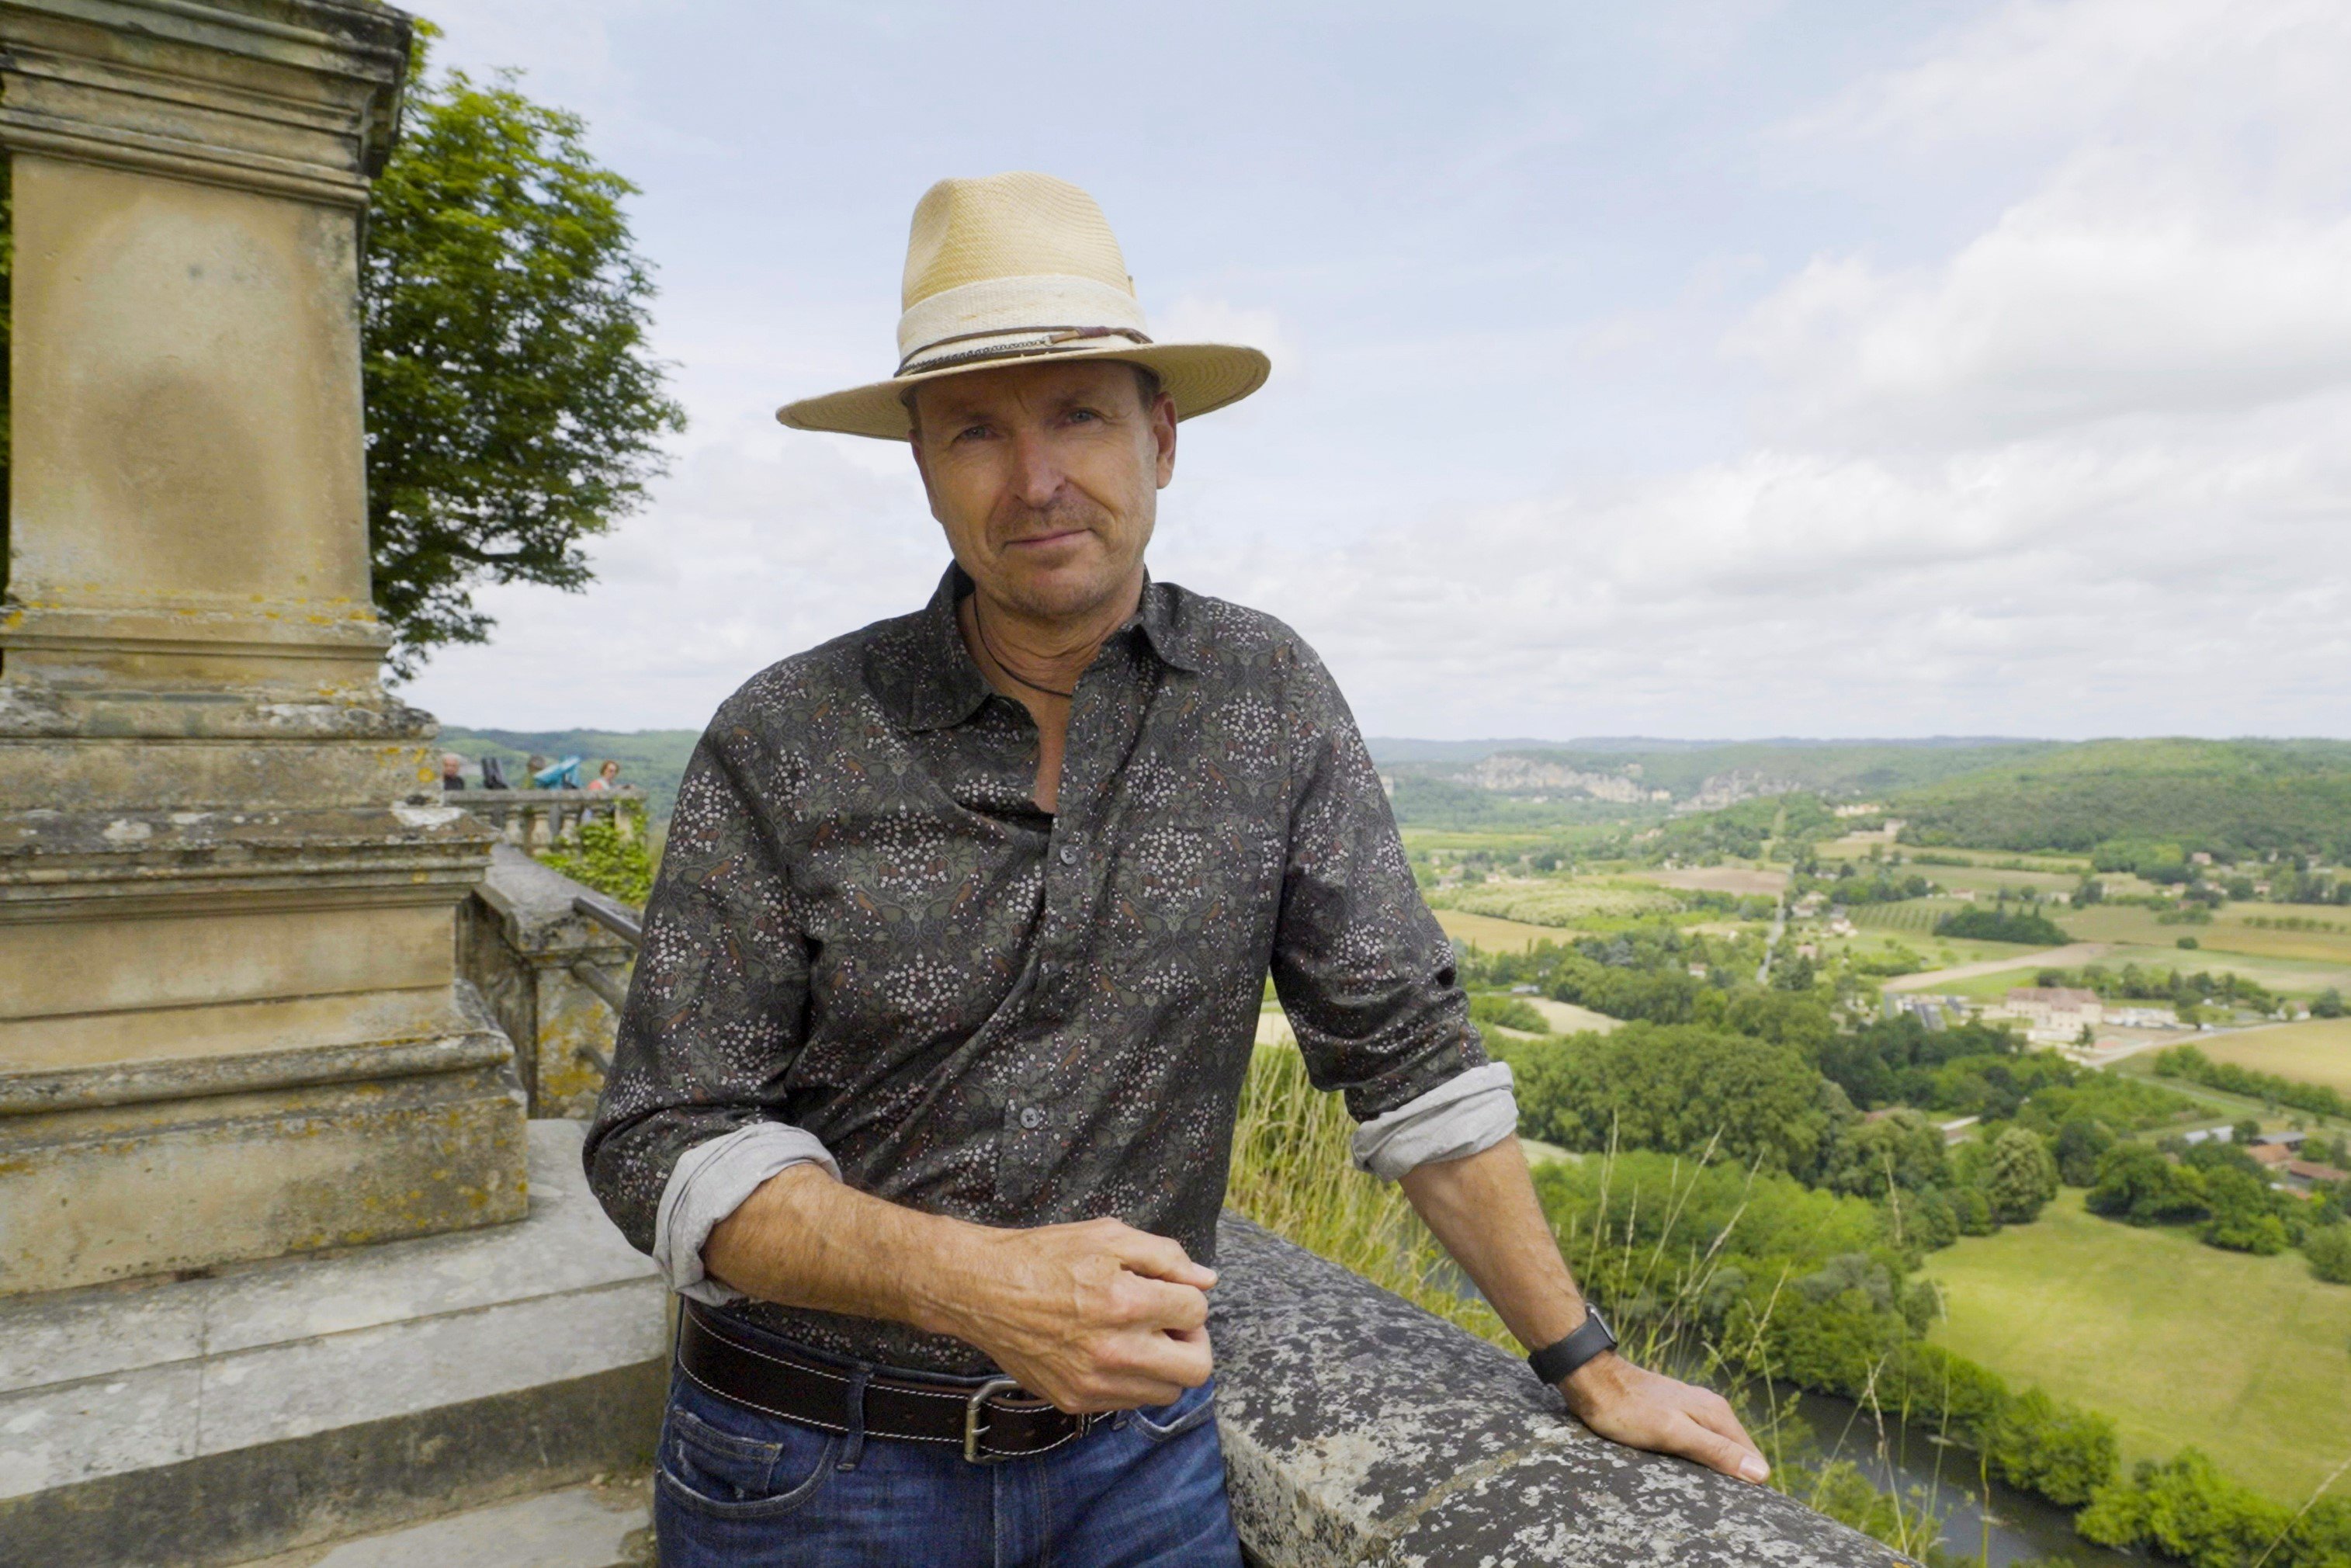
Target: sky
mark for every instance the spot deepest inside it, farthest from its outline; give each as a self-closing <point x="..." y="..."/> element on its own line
<point x="1714" y="368"/>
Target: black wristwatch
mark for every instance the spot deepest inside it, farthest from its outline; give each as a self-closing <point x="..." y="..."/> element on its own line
<point x="1554" y="1364"/>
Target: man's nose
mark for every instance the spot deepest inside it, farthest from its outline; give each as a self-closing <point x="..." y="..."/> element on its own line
<point x="1036" y="473"/>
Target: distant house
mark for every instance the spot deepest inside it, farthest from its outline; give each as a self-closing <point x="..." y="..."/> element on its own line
<point x="2202" y="857"/>
<point x="2273" y="1157"/>
<point x="2051" y="1014"/>
<point x="2291" y="1138"/>
<point x="2304" y="1175"/>
<point x="1956" y="1132"/>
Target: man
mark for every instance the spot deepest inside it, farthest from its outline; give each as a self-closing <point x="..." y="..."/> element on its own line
<point x="924" y="1090"/>
<point x="453" y="771"/>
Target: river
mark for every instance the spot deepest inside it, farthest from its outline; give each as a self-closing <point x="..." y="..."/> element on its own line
<point x="2015" y="1527"/>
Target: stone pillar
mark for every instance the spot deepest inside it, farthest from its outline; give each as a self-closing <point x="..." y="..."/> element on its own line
<point x="230" y="1024"/>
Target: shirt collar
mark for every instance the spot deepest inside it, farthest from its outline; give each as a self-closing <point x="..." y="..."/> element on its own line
<point x="946" y="687"/>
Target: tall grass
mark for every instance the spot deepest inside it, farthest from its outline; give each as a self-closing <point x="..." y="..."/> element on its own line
<point x="1291" y="1173"/>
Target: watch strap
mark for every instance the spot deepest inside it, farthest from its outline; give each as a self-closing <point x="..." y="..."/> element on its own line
<point x="1556" y="1362"/>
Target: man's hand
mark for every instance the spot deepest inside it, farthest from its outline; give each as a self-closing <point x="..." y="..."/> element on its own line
<point x="1092" y="1316"/>
<point x="1483" y="1208"/>
<point x="1644" y="1409"/>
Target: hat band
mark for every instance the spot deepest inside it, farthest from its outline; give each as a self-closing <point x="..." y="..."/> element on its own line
<point x="1004" y="306"/>
<point x="1031" y="341"/>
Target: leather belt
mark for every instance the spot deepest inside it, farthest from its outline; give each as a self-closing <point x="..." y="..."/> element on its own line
<point x="990" y="1420"/>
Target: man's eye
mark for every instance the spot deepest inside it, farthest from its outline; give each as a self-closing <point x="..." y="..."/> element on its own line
<point x="1083" y="414"/>
<point x="971" y="433"/>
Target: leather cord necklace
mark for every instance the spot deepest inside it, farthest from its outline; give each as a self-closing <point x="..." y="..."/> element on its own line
<point x="998" y="659"/>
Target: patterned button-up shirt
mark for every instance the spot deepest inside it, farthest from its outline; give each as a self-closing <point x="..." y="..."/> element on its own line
<point x="865" y="926"/>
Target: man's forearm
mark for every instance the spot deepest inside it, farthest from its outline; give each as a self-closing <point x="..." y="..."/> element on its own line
<point x="1483" y="1209"/>
<point x="1094" y="1315"/>
<point x="804" y="1239"/>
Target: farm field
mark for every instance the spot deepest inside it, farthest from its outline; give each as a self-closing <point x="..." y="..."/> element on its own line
<point x="1493" y="935"/>
<point x="1993" y="975"/>
<point x="2229" y="931"/>
<point x="1565" y="902"/>
<point x="1915" y="915"/>
<point x="1852" y="849"/>
<point x="2109" y="1316"/>
<point x="2295" y="977"/>
<point x="1722" y="879"/>
<point x="1985" y="882"/>
<point x="2318" y="1052"/>
<point x="1566" y="1018"/>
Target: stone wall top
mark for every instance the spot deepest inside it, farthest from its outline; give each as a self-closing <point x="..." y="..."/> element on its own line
<point x="1359" y="1430"/>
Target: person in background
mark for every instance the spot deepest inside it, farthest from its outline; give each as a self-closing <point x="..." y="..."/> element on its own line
<point x="606" y="775"/>
<point x="453" y="771"/>
<point x="533" y="765"/>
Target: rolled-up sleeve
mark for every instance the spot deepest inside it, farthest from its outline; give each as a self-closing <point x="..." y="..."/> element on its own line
<point x="1363" y="971"/>
<point x="716" y="1011"/>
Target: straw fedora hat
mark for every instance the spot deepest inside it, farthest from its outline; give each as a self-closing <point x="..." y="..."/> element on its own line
<point x="1016" y="269"/>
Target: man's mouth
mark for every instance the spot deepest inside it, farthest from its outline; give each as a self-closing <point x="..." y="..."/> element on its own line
<point x="1036" y="539"/>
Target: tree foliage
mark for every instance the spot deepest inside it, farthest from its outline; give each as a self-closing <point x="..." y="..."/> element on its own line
<point x="514" y="408"/>
<point x="1678" y="1088"/>
<point x="2328" y="1251"/>
<point x="2002" y="925"/>
<point x="2020" y="1177"/>
<point x="2188" y="1511"/>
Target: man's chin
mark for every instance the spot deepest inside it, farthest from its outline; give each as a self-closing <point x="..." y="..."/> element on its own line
<point x="1064" y="592"/>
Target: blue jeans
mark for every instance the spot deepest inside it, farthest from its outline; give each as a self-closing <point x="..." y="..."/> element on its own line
<point x="734" y="1487"/>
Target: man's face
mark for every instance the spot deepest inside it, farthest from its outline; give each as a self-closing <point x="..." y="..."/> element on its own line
<point x="1046" y="478"/>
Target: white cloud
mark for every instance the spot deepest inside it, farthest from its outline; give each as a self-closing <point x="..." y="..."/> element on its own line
<point x="762" y="543"/>
<point x="2061" y="454"/>
<point x="2061" y="315"/>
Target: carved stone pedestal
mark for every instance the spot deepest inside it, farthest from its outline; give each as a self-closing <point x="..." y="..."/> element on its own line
<point x="230" y="1022"/>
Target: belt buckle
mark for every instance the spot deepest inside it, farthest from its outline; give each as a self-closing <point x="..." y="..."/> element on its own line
<point x="971" y="1424"/>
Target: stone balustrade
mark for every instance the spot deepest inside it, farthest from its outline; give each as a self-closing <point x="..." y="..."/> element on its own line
<point x="553" y="974"/>
<point x="1359" y="1430"/>
<point x="535" y="818"/>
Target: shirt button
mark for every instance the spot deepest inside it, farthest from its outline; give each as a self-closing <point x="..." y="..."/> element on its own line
<point x="1069" y="854"/>
<point x="1032" y="1118"/>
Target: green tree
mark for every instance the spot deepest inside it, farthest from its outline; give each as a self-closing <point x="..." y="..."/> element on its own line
<point x="2020" y="1177"/>
<point x="2136" y="1185"/>
<point x="2080" y="1141"/>
<point x="514" y="408"/>
<point x="2244" y="1212"/>
<point x="1680" y="1089"/>
<point x="2328" y="1004"/>
<point x="1974" y="1210"/>
<point x="2328" y="1248"/>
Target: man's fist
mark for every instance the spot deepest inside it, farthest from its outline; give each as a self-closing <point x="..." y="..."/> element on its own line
<point x="1093" y="1316"/>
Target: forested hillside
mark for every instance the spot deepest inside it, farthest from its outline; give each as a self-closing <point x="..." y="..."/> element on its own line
<point x="2236" y="799"/>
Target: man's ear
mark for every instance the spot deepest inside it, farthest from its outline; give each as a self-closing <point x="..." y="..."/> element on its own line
<point x="1163" y="430"/>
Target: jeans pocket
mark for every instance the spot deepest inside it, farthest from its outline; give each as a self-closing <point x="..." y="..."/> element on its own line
<point x="1159" y="1423"/>
<point x="718" y="1474"/>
